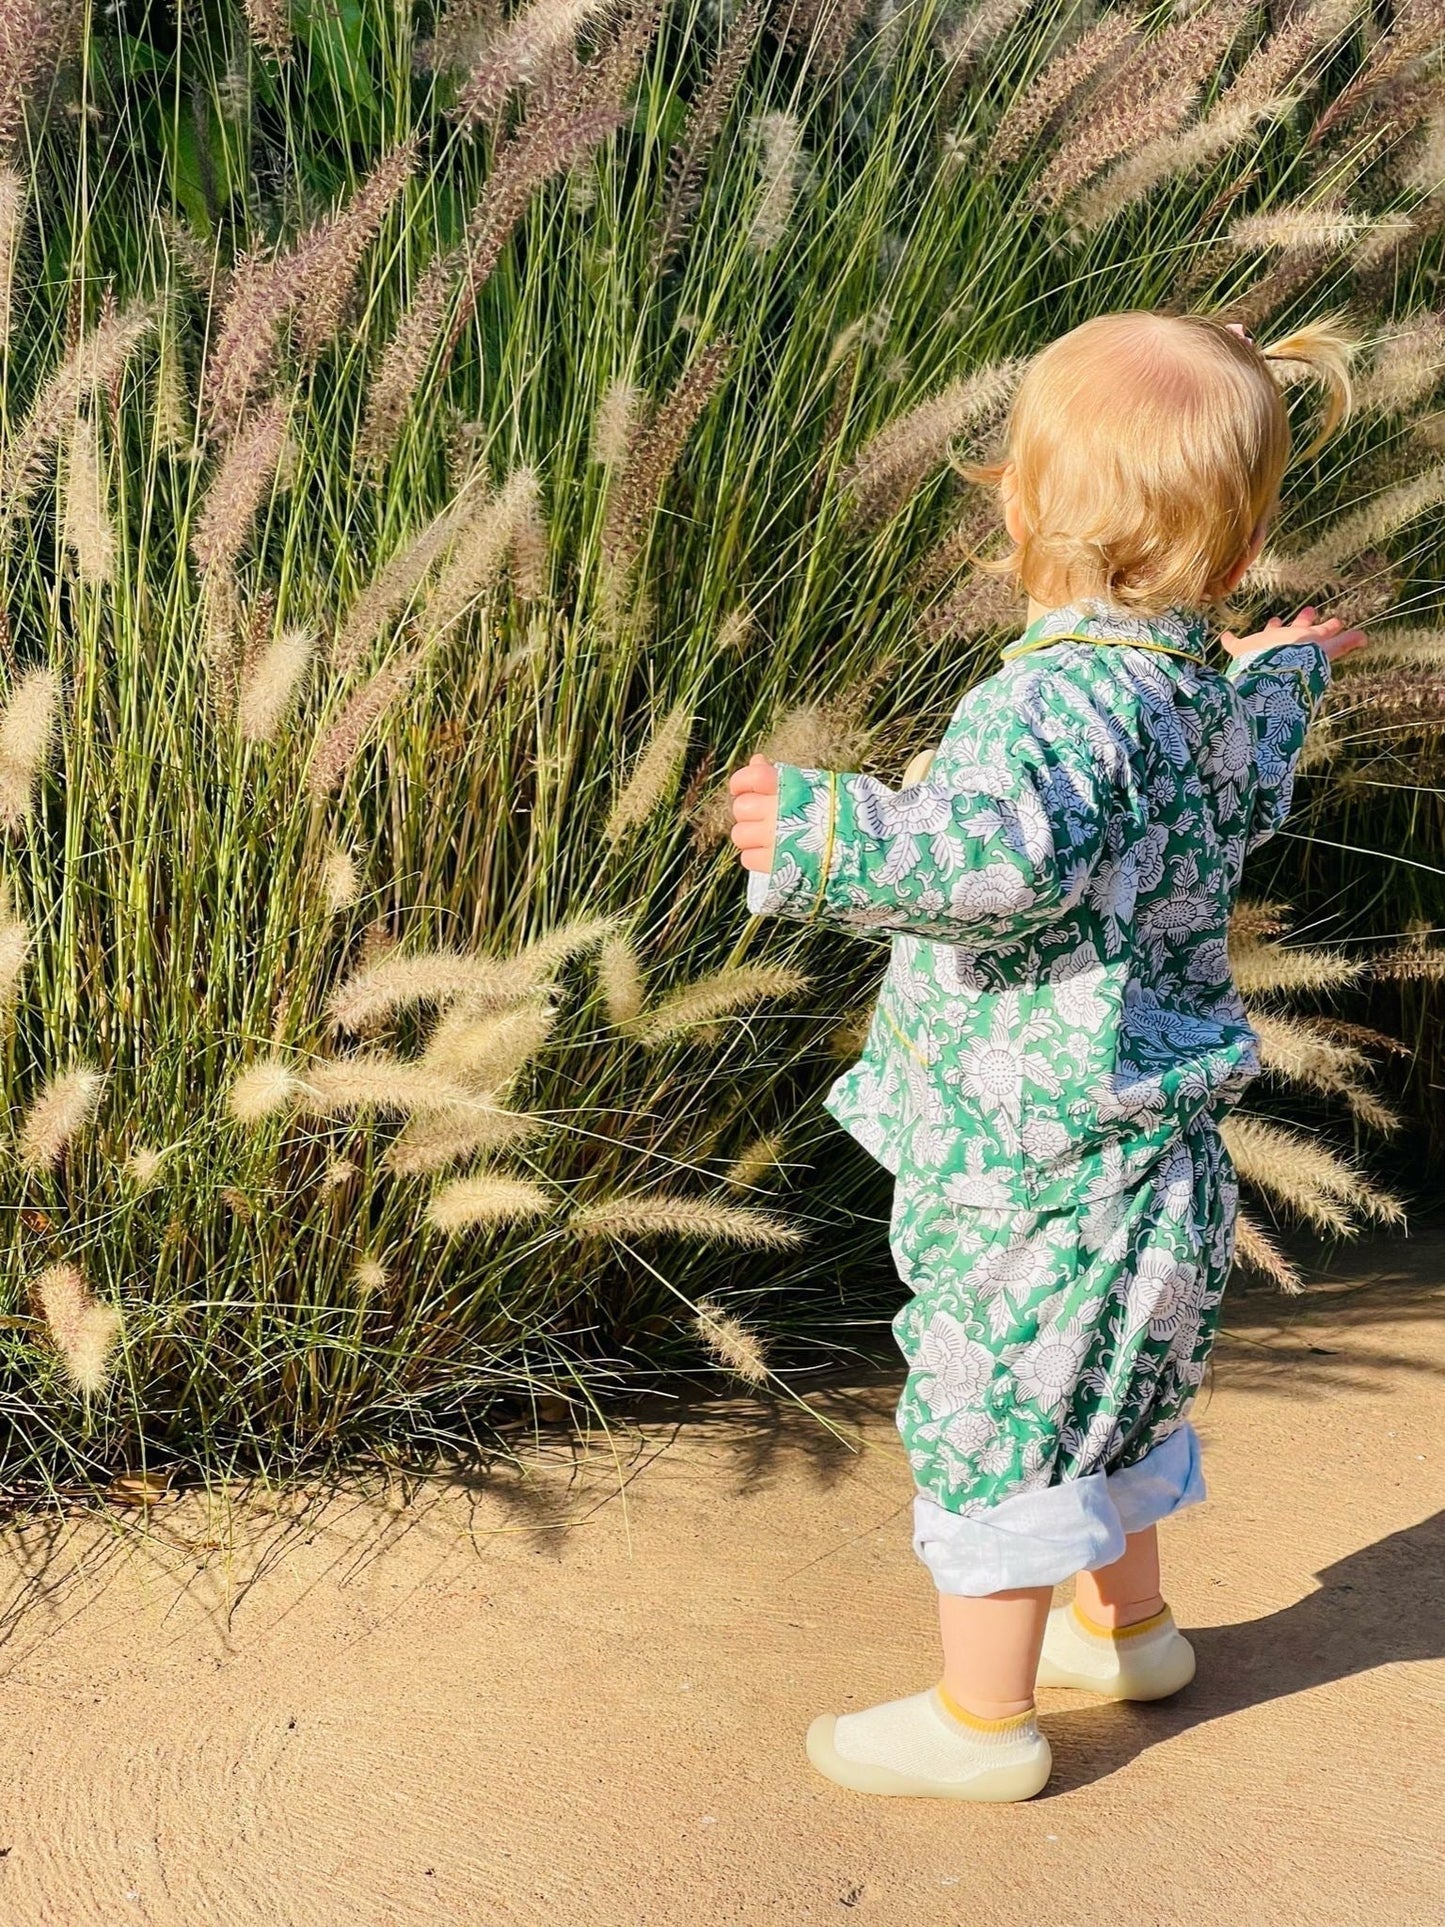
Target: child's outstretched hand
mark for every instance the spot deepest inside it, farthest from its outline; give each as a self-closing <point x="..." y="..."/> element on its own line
<point x="755" y="813"/>
<point x="1331" y="635"/>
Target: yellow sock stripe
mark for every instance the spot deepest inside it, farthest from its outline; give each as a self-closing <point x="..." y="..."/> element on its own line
<point x="965" y="1718"/>
<point x="1149" y="1625"/>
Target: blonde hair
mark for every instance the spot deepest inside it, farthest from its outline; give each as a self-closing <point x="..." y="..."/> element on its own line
<point x="1146" y="449"/>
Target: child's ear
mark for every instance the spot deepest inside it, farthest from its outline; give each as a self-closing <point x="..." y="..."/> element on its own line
<point x="1232" y="578"/>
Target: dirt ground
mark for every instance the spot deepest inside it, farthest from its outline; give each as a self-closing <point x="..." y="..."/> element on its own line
<point x="578" y="1694"/>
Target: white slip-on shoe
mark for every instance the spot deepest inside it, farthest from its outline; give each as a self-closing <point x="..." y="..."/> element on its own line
<point x="1144" y="1662"/>
<point x="925" y="1747"/>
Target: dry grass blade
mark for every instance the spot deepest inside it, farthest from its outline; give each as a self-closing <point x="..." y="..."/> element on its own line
<point x="735" y="1348"/>
<point x="722" y="994"/>
<point x="640" y="1216"/>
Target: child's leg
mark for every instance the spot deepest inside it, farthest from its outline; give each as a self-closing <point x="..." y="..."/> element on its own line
<point x="991" y="1649"/>
<point x="1129" y="1590"/>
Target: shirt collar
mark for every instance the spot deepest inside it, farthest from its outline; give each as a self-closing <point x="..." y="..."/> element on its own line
<point x="1177" y="632"/>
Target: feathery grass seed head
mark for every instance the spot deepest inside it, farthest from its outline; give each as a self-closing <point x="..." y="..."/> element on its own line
<point x="270" y="683"/>
<point x="735" y="1348"/>
<point x="487" y="1200"/>
<point x="66" y="1104"/>
<point x="262" y="1091"/>
<point x="82" y="1329"/>
<point x="641" y="1216"/>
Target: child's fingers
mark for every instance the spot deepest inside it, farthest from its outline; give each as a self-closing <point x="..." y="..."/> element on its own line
<point x="758" y="777"/>
<point x="750" y="808"/>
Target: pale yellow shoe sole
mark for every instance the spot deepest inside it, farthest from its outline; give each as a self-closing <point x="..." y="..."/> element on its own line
<point x="1018" y="1782"/>
<point x="1156" y="1684"/>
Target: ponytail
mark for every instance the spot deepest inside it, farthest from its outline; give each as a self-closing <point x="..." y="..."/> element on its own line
<point x="1320" y="351"/>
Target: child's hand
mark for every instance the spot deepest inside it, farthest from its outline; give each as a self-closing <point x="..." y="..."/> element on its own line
<point x="755" y="813"/>
<point x="1331" y="634"/>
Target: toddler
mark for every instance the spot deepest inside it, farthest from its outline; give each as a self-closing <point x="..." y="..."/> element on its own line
<point x="1058" y="1034"/>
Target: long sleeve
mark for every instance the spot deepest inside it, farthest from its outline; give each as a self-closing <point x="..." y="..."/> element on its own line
<point x="1280" y="690"/>
<point x="1000" y="838"/>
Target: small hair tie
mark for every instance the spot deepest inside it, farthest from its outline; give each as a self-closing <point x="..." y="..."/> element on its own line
<point x="1238" y="328"/>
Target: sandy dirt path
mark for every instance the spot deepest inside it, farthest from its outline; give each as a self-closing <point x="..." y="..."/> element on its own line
<point x="554" y="1700"/>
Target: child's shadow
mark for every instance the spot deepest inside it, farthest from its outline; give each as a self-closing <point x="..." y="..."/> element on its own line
<point x="1382" y="1604"/>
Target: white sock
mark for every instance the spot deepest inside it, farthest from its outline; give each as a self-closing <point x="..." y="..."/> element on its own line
<point x="1146" y="1661"/>
<point x="929" y="1745"/>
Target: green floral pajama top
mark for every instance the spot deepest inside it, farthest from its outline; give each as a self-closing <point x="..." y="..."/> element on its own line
<point x="1058" y="1030"/>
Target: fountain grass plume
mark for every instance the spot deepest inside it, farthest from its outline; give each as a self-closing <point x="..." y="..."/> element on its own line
<point x="14" y="196"/>
<point x="1302" y="1174"/>
<point x="1254" y="1248"/>
<point x="241" y="484"/>
<point x="269" y="24"/>
<point x="654" y="452"/>
<point x="340" y="879"/>
<point x="889" y="467"/>
<point x="87" y="531"/>
<point x="27" y="733"/>
<point x="432" y="1142"/>
<point x="1270" y="84"/>
<point x="616" y="422"/>
<point x="640" y="1217"/>
<point x="271" y="682"/>
<point x="491" y="1052"/>
<point x="398" y="982"/>
<point x="1151" y="94"/>
<point x="519" y="53"/>
<point x="64" y="1107"/>
<point x="654" y="775"/>
<point x="97" y="362"/>
<point x="263" y="1090"/>
<point x="325" y="261"/>
<point x="706" y="117"/>
<point x="620" y="979"/>
<point x="1027" y="115"/>
<point x="722" y="993"/>
<point x="488" y="1200"/>
<point x="780" y="139"/>
<point x="737" y="1349"/>
<point x="408" y="355"/>
<point x="82" y="1329"/>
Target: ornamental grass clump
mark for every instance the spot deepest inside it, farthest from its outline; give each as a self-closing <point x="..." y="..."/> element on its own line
<point x="433" y="453"/>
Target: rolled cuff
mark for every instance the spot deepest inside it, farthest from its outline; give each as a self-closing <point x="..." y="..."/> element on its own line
<point x="1040" y="1538"/>
<point x="803" y="848"/>
<point x="1163" y="1482"/>
<point x="1032" y="1539"/>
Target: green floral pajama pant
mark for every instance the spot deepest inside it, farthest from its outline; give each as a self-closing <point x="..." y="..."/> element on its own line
<point x="1052" y="1360"/>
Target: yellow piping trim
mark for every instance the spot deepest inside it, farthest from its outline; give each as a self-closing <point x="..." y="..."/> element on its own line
<point x="1149" y="1625"/>
<point x="1116" y="642"/>
<point x="827" y="862"/>
<point x="907" y="1042"/>
<point x="965" y="1718"/>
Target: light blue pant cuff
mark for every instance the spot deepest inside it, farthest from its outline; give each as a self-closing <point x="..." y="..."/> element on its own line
<point x="1039" y="1538"/>
<point x="1031" y="1539"/>
<point x="1160" y="1484"/>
